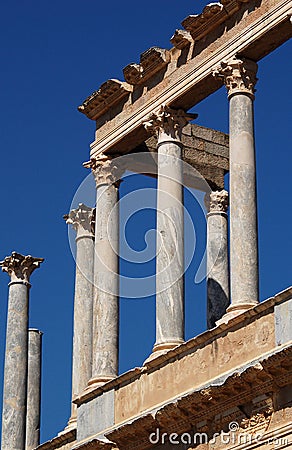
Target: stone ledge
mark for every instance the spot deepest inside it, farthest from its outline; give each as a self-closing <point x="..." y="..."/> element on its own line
<point x="187" y="82"/>
<point x="181" y="350"/>
<point x="151" y="62"/>
<point x="109" y="93"/>
<point x="63" y="438"/>
<point x="210" y="401"/>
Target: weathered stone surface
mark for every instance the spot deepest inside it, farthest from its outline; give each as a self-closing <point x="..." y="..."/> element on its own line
<point x="105" y="326"/>
<point x="19" y="268"/>
<point x="181" y="39"/>
<point x="167" y="124"/>
<point x="283" y="322"/>
<point x="240" y="77"/>
<point x="254" y="30"/>
<point x="33" y="389"/>
<point x="96" y="415"/>
<point x="217" y="257"/>
<point x="83" y="221"/>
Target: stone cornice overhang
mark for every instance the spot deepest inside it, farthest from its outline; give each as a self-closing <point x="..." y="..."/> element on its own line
<point x="66" y="437"/>
<point x="180" y="350"/>
<point x="264" y="376"/>
<point x="251" y="29"/>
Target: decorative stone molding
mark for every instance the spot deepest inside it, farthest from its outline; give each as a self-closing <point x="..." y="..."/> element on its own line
<point x="217" y="201"/>
<point x="133" y="73"/>
<point x="61" y="440"/>
<point x="239" y="76"/>
<point x="20" y="267"/>
<point x="83" y="217"/>
<point x="109" y="93"/>
<point x="168" y="123"/>
<point x="181" y="39"/>
<point x="151" y="61"/>
<point x="217" y="404"/>
<point x="105" y="170"/>
<point x="199" y="25"/>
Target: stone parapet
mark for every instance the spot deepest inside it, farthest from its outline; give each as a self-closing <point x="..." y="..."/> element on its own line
<point x="204" y="378"/>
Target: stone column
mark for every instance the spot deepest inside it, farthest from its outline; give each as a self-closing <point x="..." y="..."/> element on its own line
<point x="105" y="325"/>
<point x="217" y="256"/>
<point x="167" y="124"/>
<point x="19" y="268"/>
<point x="82" y="219"/>
<point x="33" y="389"/>
<point x="240" y="78"/>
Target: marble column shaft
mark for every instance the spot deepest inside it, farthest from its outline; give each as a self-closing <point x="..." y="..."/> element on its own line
<point x="240" y="78"/>
<point x="82" y="219"/>
<point x="105" y="344"/>
<point x="217" y="257"/>
<point x="33" y="389"/>
<point x="19" y="268"/>
<point x="167" y="124"/>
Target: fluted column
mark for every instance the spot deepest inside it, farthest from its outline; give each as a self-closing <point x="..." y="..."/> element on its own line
<point x="217" y="256"/>
<point x="19" y="268"/>
<point x="167" y="124"/>
<point x="106" y="266"/>
<point x="33" y="389"/>
<point x="240" y="78"/>
<point x="82" y="220"/>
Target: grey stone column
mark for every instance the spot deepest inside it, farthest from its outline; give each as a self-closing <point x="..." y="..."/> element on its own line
<point x="19" y="268"/>
<point x="82" y="220"/>
<point x="167" y="124"/>
<point x="105" y="326"/>
<point x="33" y="389"/>
<point x="240" y="78"/>
<point x="217" y="256"/>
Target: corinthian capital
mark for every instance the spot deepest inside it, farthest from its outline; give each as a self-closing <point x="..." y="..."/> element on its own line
<point x="217" y="201"/>
<point x="105" y="169"/>
<point x="82" y="219"/>
<point x="239" y="76"/>
<point x="20" y="267"/>
<point x="168" y="123"/>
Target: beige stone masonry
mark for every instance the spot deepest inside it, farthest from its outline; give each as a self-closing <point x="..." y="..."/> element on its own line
<point x="187" y="78"/>
<point x="151" y="61"/>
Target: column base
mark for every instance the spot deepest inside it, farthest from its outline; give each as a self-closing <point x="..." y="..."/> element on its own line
<point x="94" y="383"/>
<point x="161" y="349"/>
<point x="235" y="310"/>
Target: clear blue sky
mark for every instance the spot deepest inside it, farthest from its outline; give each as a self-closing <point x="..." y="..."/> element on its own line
<point x="53" y="55"/>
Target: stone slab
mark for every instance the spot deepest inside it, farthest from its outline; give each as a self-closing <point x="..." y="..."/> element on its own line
<point x="283" y="322"/>
<point x="95" y="415"/>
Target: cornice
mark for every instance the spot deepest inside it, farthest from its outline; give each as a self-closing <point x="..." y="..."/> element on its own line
<point x="183" y="83"/>
<point x="180" y="350"/>
<point x="63" y="438"/>
<point x="208" y="403"/>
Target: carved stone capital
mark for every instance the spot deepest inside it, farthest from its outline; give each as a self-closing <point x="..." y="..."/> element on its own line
<point x="82" y="219"/>
<point x="239" y="76"/>
<point x="20" y="267"/>
<point x="217" y="201"/>
<point x="168" y="123"/>
<point x="105" y="170"/>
